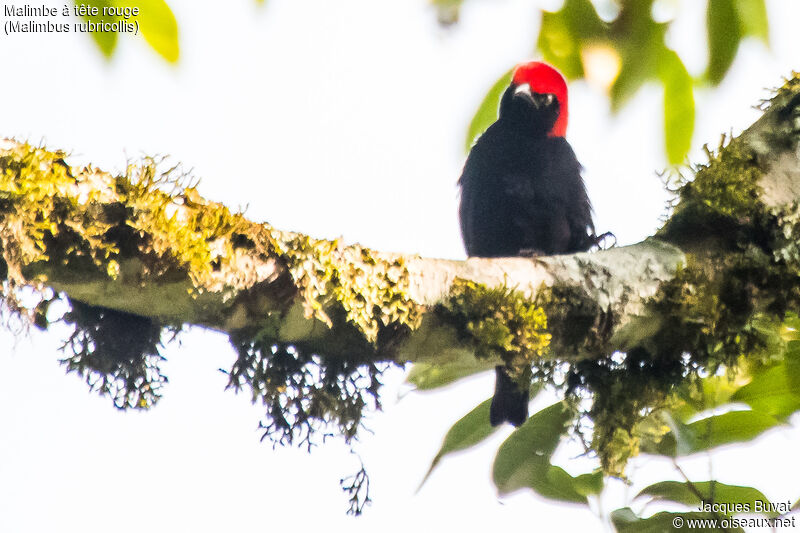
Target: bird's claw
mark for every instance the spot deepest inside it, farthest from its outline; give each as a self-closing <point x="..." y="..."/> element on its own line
<point x="598" y="241"/>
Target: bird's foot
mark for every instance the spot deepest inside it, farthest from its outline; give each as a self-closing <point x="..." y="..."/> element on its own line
<point x="600" y="242"/>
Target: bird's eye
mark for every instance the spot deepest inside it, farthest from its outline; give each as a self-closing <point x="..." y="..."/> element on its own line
<point x="548" y="98"/>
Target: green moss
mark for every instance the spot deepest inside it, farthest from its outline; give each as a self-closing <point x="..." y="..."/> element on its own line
<point x="721" y="201"/>
<point x="501" y="323"/>
<point x="42" y="213"/>
<point x="371" y="291"/>
<point x="167" y="222"/>
<point x="580" y="327"/>
<point x="728" y="183"/>
<point x="90" y="222"/>
<point x="786" y="94"/>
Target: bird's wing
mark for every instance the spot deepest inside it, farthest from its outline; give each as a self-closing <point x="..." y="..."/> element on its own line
<point x="565" y="172"/>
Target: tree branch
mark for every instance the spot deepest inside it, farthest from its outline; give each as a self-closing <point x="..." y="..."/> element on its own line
<point x="147" y="243"/>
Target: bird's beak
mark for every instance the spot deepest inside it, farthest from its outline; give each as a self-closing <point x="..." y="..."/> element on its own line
<point x="524" y="91"/>
<point x="537" y="100"/>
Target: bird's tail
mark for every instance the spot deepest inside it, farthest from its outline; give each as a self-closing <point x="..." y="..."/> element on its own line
<point x="510" y="402"/>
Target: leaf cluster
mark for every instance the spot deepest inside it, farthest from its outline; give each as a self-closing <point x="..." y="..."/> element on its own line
<point x="698" y="415"/>
<point x="627" y="48"/>
<point x="157" y="24"/>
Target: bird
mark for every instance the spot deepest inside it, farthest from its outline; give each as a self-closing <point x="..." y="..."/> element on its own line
<point x="522" y="194"/>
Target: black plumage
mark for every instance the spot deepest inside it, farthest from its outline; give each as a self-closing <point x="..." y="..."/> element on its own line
<point x="522" y="194"/>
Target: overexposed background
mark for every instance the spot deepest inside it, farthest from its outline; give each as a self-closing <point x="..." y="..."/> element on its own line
<point x="334" y="118"/>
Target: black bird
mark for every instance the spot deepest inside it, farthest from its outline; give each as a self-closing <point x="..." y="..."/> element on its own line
<point x="522" y="194"/>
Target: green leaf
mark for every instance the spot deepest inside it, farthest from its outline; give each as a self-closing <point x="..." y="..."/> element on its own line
<point x="106" y="40"/>
<point x="564" y="32"/>
<point x="753" y="19"/>
<point x="538" y="436"/>
<point x="555" y="483"/>
<point x="427" y="376"/>
<point x="771" y="392"/>
<point x="678" y="106"/>
<point x="792" y="361"/>
<point x="711" y="491"/>
<point x="471" y="429"/>
<point x="158" y="26"/>
<point x="558" y="46"/>
<point x="487" y="111"/>
<point x="711" y="392"/>
<point x="727" y="428"/>
<point x="724" y="34"/>
<point x="630" y="79"/>
<point x="641" y="44"/>
<point x="588" y="484"/>
<point x="626" y="521"/>
<point x="523" y="460"/>
<point x="775" y="390"/>
<point x="734" y="426"/>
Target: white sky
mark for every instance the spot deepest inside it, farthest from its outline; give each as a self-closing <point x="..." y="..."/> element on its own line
<point x="334" y="118"/>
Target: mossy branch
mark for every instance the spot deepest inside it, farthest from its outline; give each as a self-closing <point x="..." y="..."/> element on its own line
<point x="146" y="243"/>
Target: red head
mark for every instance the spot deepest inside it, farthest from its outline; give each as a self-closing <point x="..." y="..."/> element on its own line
<point x="544" y="79"/>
